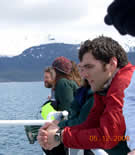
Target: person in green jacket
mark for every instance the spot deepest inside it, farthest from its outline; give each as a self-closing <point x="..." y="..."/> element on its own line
<point x="67" y="81"/>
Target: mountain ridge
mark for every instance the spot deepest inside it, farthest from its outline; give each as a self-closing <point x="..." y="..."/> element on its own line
<point x="30" y="64"/>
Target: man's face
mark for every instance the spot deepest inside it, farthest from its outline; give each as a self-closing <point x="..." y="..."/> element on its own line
<point x="94" y="71"/>
<point x="48" y="81"/>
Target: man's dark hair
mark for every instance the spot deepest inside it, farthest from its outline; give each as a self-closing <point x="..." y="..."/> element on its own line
<point x="103" y="49"/>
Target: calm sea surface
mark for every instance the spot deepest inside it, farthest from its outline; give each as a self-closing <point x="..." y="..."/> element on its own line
<point x="18" y="101"/>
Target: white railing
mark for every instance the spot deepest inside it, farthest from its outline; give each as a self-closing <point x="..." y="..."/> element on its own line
<point x="23" y="122"/>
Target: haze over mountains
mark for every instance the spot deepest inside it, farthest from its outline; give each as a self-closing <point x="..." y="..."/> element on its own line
<point x="30" y="65"/>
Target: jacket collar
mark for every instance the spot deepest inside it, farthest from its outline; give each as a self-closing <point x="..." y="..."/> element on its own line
<point x="107" y="84"/>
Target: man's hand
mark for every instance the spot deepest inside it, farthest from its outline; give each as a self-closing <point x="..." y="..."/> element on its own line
<point x="132" y="152"/>
<point x="46" y="136"/>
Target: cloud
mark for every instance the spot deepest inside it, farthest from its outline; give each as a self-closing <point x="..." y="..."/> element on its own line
<point x="25" y="23"/>
<point x="42" y="11"/>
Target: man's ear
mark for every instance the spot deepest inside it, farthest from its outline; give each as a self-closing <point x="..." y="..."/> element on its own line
<point x="113" y="63"/>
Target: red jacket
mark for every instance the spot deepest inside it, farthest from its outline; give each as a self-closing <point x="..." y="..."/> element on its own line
<point x="105" y="120"/>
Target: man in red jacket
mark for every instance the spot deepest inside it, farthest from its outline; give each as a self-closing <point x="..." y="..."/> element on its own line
<point x="105" y="65"/>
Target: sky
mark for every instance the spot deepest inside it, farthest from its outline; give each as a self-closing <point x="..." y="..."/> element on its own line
<point x="27" y="23"/>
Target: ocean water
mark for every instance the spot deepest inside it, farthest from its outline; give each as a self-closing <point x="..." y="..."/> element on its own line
<point x="19" y="101"/>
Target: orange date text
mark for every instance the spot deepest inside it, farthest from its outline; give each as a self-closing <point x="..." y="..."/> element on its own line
<point x="108" y="138"/>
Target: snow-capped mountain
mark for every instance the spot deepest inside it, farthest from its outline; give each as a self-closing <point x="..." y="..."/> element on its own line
<point x="30" y="65"/>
